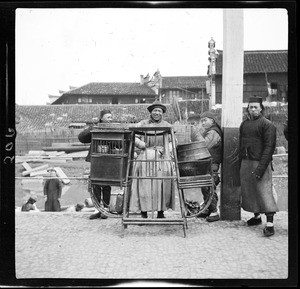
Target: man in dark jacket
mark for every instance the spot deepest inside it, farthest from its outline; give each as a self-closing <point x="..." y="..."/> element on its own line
<point x="86" y="137"/>
<point x="52" y="192"/>
<point x="213" y="136"/>
<point x="257" y="145"/>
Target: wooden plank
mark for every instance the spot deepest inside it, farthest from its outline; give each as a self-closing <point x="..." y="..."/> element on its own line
<point x="39" y="173"/>
<point x="76" y="144"/>
<point x="47" y="160"/>
<point x="55" y="160"/>
<point x="52" y="153"/>
<point x="20" y="159"/>
<point x="68" y="148"/>
<point x="34" y="169"/>
<point x="60" y="144"/>
<point x="34" y="152"/>
<point x="82" y="154"/>
<point x="26" y="166"/>
<point x="62" y="175"/>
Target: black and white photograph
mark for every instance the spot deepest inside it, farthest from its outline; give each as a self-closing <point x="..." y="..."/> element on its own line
<point x="148" y="144"/>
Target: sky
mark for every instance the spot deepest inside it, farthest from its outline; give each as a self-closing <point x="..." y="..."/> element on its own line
<point x="61" y="48"/>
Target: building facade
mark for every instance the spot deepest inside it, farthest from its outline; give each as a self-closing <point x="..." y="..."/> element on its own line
<point x="265" y="75"/>
<point x="108" y="93"/>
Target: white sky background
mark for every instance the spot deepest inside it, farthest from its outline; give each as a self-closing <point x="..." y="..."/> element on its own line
<point x="58" y="48"/>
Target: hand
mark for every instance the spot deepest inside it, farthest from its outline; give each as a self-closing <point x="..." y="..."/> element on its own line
<point x="258" y="177"/>
<point x="140" y="144"/>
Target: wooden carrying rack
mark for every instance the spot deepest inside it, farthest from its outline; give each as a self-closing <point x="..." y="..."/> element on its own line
<point x="109" y="157"/>
<point x="195" y="171"/>
<point x="154" y="132"/>
<point x="112" y="162"/>
<point x="197" y="182"/>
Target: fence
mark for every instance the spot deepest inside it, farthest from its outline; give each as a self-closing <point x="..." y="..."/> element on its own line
<point x="37" y="140"/>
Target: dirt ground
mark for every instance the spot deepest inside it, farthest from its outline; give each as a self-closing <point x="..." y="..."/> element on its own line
<point x="76" y="191"/>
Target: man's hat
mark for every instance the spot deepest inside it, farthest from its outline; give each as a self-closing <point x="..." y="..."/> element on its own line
<point x="103" y="112"/>
<point x="158" y="104"/>
<point x="208" y="114"/>
<point x="255" y="99"/>
<point x="32" y="199"/>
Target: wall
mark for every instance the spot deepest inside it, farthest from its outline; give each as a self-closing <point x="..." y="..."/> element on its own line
<point x="37" y="140"/>
<point x="97" y="99"/>
<point x="256" y="84"/>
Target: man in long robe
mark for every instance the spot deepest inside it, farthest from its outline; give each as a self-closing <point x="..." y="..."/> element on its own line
<point x="257" y="145"/>
<point x="52" y="192"/>
<point x="153" y="194"/>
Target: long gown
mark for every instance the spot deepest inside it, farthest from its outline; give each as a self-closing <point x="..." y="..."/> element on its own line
<point x="153" y="194"/>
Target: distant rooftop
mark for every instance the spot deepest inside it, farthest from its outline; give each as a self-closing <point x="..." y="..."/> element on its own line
<point x="37" y="117"/>
<point x="169" y="82"/>
<point x="260" y="61"/>
<point x="113" y="88"/>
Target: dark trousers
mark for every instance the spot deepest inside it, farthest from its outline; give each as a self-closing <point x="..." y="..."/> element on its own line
<point x="103" y="192"/>
<point x="214" y="202"/>
<point x="206" y="191"/>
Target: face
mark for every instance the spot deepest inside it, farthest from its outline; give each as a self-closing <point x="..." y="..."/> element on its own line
<point x="157" y="113"/>
<point x="107" y="118"/>
<point x="206" y="122"/>
<point x="254" y="109"/>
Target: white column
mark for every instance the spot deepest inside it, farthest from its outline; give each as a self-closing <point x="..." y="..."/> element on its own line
<point x="233" y="67"/>
<point x="232" y="111"/>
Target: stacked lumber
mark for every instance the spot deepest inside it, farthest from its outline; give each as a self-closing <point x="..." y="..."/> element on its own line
<point x="62" y="175"/>
<point x="41" y="171"/>
<point x="67" y="147"/>
<point x="30" y="171"/>
<point x="50" y="157"/>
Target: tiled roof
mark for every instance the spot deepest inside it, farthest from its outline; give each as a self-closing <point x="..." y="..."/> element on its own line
<point x="270" y="61"/>
<point x="183" y="81"/>
<point x="37" y="117"/>
<point x="113" y="88"/>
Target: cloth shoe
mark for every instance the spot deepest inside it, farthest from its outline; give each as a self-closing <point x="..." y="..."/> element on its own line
<point x="254" y="221"/>
<point x="160" y="215"/>
<point x="95" y="216"/>
<point x="103" y="216"/>
<point x="213" y="218"/>
<point x="269" y="231"/>
<point x="204" y="214"/>
<point x="144" y="215"/>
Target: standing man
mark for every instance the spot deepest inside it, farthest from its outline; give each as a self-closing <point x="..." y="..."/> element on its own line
<point x="213" y="136"/>
<point x="153" y="194"/>
<point x="257" y="145"/>
<point x="86" y="137"/>
<point x="52" y="192"/>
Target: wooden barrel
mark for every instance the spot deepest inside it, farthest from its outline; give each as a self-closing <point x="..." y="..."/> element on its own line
<point x="192" y="151"/>
<point x="194" y="168"/>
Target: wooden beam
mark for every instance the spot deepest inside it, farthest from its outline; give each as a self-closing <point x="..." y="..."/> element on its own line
<point x="34" y="170"/>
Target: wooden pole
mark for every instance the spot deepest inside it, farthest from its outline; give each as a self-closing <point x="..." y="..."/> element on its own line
<point x="232" y="111"/>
